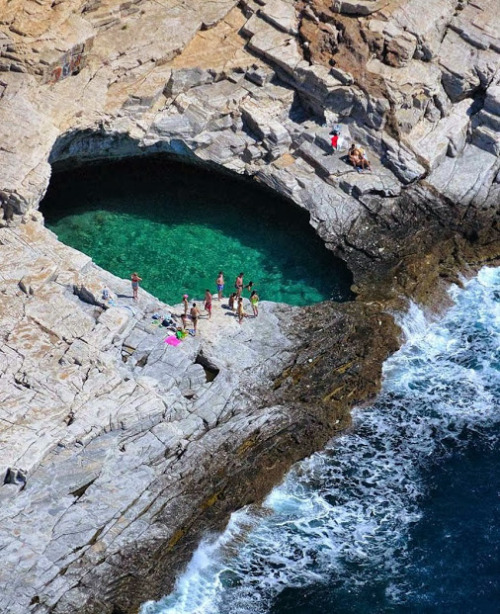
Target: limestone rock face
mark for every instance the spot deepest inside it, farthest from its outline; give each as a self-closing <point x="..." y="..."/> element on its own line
<point x="117" y="449"/>
<point x="93" y="436"/>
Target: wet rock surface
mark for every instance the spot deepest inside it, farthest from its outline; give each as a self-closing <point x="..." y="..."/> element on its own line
<point x="117" y="452"/>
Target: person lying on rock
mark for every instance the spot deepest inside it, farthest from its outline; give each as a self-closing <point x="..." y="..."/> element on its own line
<point x="358" y="159"/>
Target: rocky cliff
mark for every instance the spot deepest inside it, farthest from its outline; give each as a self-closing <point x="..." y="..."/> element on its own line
<point x="116" y="453"/>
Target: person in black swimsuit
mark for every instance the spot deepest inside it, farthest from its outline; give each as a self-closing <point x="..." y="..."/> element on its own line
<point x="195" y="314"/>
<point x="238" y="284"/>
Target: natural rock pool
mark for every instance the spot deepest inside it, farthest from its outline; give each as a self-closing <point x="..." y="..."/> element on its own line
<point x="178" y="226"/>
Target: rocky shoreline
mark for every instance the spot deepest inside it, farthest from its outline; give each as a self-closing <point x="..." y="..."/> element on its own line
<point x="117" y="455"/>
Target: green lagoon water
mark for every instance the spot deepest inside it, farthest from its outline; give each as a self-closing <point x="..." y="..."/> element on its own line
<point x="178" y="227"/>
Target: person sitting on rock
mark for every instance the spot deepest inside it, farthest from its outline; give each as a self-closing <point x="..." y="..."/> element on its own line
<point x="231" y="301"/>
<point x="358" y="159"/>
<point x="365" y="163"/>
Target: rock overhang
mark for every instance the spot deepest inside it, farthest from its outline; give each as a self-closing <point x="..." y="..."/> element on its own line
<point x="175" y="179"/>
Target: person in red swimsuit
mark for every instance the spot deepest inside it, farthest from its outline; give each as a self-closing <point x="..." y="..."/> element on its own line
<point x="208" y="303"/>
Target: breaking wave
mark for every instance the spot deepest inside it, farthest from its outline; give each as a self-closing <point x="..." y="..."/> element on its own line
<point x="350" y="525"/>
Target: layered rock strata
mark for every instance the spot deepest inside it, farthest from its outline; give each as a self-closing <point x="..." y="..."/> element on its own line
<point x="116" y="451"/>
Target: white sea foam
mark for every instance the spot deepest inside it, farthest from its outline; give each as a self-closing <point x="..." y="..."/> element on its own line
<point x="345" y="513"/>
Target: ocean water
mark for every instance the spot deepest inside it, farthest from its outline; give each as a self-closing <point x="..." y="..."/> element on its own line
<point x="178" y="227"/>
<point x="399" y="515"/>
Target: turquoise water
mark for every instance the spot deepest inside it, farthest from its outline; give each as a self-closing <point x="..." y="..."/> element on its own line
<point x="178" y="227"/>
<point x="401" y="514"/>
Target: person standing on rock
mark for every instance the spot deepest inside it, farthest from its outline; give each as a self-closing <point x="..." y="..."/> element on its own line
<point x="208" y="303"/>
<point x="195" y="314"/>
<point x="231" y="300"/>
<point x="220" y="285"/>
<point x="135" y="285"/>
<point x="238" y="284"/>
<point x="185" y="303"/>
<point x="254" y="301"/>
<point x="335" y="138"/>
<point x="240" y="311"/>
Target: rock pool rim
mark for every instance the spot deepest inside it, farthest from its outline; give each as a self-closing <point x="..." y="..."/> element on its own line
<point x="152" y="176"/>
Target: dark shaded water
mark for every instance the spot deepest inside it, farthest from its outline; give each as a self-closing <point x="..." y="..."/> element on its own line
<point x="399" y="515"/>
<point x="178" y="226"/>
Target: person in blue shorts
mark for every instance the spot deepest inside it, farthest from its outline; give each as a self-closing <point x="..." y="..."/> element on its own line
<point x="135" y="285"/>
<point x="220" y="285"/>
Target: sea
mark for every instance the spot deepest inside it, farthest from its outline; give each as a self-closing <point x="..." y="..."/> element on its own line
<point x="400" y="514"/>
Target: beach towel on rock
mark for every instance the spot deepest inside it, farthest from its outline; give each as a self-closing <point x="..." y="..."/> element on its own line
<point x="172" y="340"/>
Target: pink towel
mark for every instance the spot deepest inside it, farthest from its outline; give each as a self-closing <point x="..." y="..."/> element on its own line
<point x="172" y="340"/>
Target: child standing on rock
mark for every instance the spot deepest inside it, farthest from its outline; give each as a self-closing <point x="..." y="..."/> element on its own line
<point x="240" y="311"/>
<point x="254" y="301"/>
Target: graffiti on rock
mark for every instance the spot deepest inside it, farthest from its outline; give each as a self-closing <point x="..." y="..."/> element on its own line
<point x="69" y="64"/>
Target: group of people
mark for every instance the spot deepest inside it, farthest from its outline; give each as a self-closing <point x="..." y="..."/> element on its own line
<point x="235" y="301"/>
<point x="356" y="154"/>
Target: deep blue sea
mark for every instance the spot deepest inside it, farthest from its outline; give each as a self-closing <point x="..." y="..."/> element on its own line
<point x="399" y="515"/>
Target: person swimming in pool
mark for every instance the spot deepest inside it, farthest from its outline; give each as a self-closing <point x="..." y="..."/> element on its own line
<point x="220" y="285"/>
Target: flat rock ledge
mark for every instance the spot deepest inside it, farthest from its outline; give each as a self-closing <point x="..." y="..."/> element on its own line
<point x="119" y="450"/>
